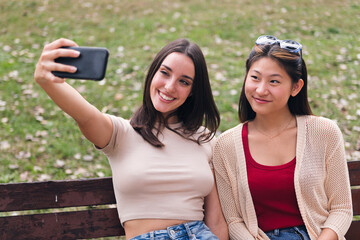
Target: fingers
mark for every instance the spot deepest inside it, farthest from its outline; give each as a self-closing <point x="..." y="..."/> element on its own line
<point x="43" y="71"/>
<point x="58" y="52"/>
<point x="61" y="67"/>
<point x="50" y="66"/>
<point x="62" y="42"/>
<point x="42" y="75"/>
<point x="46" y="63"/>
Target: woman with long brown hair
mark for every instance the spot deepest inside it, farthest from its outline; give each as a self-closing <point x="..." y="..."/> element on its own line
<point x="160" y="158"/>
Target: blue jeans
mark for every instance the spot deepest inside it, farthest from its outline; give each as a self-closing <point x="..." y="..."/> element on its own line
<point x="196" y="230"/>
<point x="292" y="233"/>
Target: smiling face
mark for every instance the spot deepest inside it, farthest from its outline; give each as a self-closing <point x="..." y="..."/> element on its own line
<point x="172" y="83"/>
<point x="268" y="87"/>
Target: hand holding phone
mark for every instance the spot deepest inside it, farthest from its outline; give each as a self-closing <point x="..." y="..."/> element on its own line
<point x="91" y="63"/>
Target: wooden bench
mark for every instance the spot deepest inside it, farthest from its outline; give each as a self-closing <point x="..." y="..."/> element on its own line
<point x="98" y="219"/>
<point x="83" y="209"/>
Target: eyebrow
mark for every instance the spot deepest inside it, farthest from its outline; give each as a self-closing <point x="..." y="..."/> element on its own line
<point x="185" y="76"/>
<point x="272" y="75"/>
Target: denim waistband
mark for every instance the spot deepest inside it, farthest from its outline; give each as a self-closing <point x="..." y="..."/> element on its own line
<point x="174" y="232"/>
<point x="297" y="232"/>
<point x="276" y="231"/>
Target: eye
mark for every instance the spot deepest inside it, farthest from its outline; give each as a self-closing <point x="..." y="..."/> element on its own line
<point x="274" y="82"/>
<point x="164" y="72"/>
<point x="184" y="82"/>
<point x="254" y="77"/>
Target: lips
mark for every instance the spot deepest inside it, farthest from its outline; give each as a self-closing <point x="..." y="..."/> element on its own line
<point x="165" y="97"/>
<point x="260" y="100"/>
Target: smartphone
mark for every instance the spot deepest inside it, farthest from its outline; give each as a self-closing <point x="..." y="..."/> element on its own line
<point x="91" y="63"/>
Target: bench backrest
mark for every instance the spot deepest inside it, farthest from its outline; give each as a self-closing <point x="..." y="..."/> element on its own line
<point x="86" y="209"/>
<point x="354" y="170"/>
<point x="99" y="218"/>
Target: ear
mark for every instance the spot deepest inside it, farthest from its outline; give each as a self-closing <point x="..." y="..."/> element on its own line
<point x="296" y="88"/>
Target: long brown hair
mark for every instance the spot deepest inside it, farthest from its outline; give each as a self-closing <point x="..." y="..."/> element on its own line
<point x="198" y="109"/>
<point x="295" y="67"/>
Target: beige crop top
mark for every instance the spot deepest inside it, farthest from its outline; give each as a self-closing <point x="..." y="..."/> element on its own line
<point x="162" y="183"/>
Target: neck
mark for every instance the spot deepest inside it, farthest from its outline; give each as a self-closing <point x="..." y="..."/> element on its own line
<point x="171" y="120"/>
<point x="272" y="127"/>
<point x="272" y="122"/>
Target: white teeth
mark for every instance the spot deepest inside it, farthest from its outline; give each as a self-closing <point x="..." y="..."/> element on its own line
<point x="165" y="97"/>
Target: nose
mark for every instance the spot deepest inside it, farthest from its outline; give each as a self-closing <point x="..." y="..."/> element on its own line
<point x="170" y="85"/>
<point x="262" y="88"/>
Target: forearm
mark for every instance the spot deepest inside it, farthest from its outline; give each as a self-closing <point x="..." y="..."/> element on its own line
<point x="220" y="229"/>
<point x="214" y="217"/>
<point x="217" y="224"/>
<point x="69" y="100"/>
<point x="94" y="125"/>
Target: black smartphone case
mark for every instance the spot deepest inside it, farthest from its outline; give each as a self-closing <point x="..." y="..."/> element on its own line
<point x="91" y="63"/>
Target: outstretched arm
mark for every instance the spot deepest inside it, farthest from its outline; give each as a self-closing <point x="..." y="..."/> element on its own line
<point x="96" y="126"/>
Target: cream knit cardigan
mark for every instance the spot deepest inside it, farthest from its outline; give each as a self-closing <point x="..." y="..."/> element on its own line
<point x="321" y="180"/>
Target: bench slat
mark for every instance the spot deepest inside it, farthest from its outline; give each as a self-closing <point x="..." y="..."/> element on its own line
<point x="56" y="194"/>
<point x="65" y="225"/>
<point x="356" y="200"/>
<point x="354" y="171"/>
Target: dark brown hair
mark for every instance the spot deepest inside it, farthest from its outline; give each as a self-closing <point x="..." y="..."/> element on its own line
<point x="295" y="67"/>
<point x="198" y="109"/>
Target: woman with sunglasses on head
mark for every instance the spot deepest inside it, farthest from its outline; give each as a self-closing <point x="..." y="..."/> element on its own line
<point x="161" y="158"/>
<point x="281" y="173"/>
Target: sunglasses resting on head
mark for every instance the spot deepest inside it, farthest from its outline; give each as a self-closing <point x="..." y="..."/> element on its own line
<point x="290" y="45"/>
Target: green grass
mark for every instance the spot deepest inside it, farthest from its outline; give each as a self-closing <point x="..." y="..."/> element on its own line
<point x="39" y="142"/>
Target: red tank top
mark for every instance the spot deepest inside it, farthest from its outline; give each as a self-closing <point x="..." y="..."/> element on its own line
<point x="272" y="190"/>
